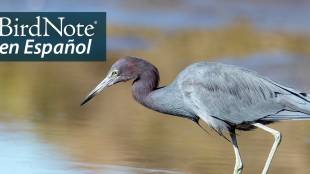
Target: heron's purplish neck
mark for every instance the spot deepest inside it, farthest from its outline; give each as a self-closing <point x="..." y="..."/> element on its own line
<point x="143" y="86"/>
<point x="147" y="81"/>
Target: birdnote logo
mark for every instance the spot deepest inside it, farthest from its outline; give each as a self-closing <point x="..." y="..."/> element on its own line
<point x="53" y="36"/>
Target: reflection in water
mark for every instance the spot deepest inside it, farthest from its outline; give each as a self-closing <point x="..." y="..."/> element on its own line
<point x="44" y="130"/>
<point x="23" y="153"/>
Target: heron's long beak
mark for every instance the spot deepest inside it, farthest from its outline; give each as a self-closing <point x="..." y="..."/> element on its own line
<point x="108" y="81"/>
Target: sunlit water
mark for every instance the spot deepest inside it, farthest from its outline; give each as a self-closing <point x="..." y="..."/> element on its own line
<point x="22" y="152"/>
<point x="44" y="130"/>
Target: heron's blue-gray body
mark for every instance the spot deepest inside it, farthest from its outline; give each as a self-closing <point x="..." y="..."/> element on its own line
<point x="224" y="95"/>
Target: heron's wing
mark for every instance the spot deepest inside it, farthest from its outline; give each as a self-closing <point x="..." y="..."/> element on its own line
<point x="234" y="94"/>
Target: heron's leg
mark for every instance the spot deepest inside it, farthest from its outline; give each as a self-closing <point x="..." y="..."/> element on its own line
<point x="277" y="135"/>
<point x="238" y="165"/>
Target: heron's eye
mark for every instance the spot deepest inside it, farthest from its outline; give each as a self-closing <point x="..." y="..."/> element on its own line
<point x="114" y="73"/>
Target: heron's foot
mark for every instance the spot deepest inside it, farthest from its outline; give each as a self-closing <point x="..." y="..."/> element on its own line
<point x="238" y="168"/>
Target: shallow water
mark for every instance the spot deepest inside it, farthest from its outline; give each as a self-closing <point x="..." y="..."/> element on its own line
<point x="23" y="152"/>
<point x="44" y="130"/>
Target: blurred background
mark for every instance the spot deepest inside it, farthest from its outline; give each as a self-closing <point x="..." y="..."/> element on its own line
<point x="43" y="129"/>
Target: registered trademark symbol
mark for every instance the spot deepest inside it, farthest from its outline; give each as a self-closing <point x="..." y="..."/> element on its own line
<point x="95" y="22"/>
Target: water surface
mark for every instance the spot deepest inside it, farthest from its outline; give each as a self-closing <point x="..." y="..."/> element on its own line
<point x="44" y="130"/>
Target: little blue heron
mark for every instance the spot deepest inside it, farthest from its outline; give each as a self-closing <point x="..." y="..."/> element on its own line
<point x="226" y="97"/>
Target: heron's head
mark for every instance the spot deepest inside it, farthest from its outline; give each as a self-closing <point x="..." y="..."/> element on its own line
<point x="123" y="70"/>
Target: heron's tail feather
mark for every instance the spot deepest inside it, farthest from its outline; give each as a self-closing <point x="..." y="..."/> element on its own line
<point x="288" y="115"/>
<point x="297" y="107"/>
